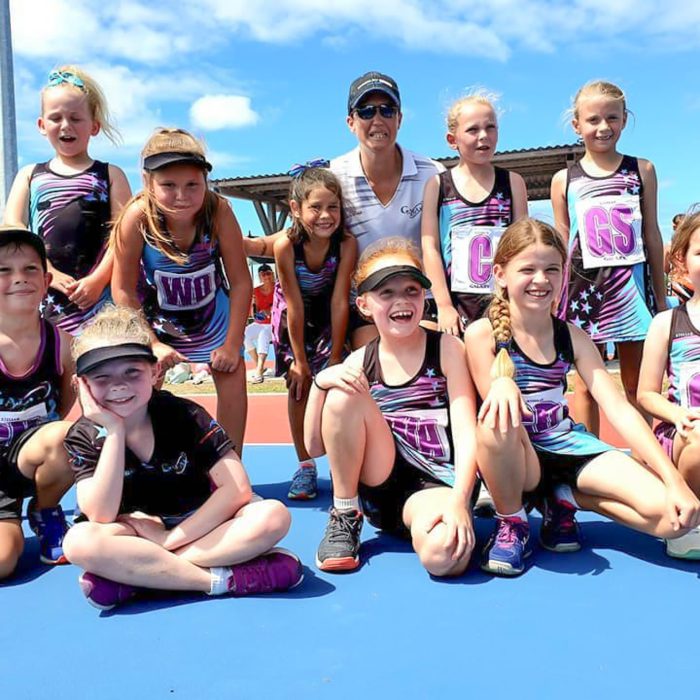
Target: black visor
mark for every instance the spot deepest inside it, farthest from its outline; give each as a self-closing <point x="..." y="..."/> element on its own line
<point x="376" y="279"/>
<point x="162" y="160"/>
<point x="92" y="359"/>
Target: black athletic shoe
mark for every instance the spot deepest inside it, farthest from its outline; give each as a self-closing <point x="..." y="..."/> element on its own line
<point x="340" y="546"/>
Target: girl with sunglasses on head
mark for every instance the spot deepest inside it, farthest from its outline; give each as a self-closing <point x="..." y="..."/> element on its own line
<point x="179" y="255"/>
<point x="71" y="199"/>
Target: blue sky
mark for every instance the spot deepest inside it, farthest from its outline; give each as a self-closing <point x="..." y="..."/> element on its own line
<point x="265" y="83"/>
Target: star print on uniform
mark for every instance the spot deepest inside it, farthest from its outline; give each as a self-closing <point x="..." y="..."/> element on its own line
<point x="101" y="433"/>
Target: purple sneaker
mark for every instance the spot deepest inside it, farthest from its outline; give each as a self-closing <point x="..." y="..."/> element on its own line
<point x="507" y="548"/>
<point x="50" y="527"/>
<point x="276" y="570"/>
<point x="559" y="531"/>
<point x="102" y="593"/>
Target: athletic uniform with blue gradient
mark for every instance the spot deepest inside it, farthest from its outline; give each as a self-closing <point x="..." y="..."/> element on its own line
<point x="683" y="370"/>
<point x="72" y="214"/>
<point x="480" y="223"/>
<point x="316" y="287"/>
<point x="187" y="303"/>
<point x="609" y="292"/>
<point x="543" y="388"/>
<point x="26" y="403"/>
<point x="418" y="415"/>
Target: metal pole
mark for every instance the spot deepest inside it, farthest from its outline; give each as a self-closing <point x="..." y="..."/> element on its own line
<point x="8" y="129"/>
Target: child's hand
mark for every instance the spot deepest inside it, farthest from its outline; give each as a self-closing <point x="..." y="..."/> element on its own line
<point x="85" y="292"/>
<point x="503" y="405"/>
<point x="95" y="411"/>
<point x="149" y="527"/>
<point x="448" y="321"/>
<point x="352" y="380"/>
<point x="459" y="529"/>
<point x="167" y="357"/>
<point x="298" y="380"/>
<point x="682" y="505"/>
<point x="223" y="359"/>
<point x="685" y="422"/>
<point x="62" y="282"/>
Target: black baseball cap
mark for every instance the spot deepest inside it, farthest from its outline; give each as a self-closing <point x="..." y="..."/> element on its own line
<point x="264" y="268"/>
<point x="162" y="160"/>
<point x="91" y="359"/>
<point x="373" y="82"/>
<point x="23" y="236"/>
<point x="377" y="279"/>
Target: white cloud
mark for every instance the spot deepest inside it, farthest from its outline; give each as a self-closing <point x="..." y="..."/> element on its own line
<point x="215" y="112"/>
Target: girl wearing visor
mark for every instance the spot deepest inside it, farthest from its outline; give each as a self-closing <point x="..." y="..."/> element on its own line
<point x="168" y="502"/>
<point x="180" y="244"/>
<point x="397" y="421"/>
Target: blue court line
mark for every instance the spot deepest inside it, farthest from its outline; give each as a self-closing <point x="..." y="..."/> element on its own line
<point x="617" y="619"/>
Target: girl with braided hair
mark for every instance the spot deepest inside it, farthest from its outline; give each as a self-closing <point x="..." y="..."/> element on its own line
<point x="528" y="445"/>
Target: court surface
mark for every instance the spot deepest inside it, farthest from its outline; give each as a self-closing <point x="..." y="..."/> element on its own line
<point x="618" y="619"/>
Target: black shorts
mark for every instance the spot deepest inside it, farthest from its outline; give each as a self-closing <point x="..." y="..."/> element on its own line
<point x="383" y="504"/>
<point x="557" y="468"/>
<point x="14" y="486"/>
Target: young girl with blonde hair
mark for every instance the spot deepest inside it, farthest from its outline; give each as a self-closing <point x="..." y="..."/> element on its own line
<point x="179" y="255"/>
<point x="605" y="208"/>
<point x="167" y="500"/>
<point x="71" y="200"/>
<point x="465" y="211"/>
<point x="526" y="442"/>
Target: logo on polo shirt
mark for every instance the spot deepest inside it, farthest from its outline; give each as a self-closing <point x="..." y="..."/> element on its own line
<point x="413" y="211"/>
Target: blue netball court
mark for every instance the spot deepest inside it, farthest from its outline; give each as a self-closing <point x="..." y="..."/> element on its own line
<point x="618" y="619"/>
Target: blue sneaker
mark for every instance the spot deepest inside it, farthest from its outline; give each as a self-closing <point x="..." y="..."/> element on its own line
<point x="507" y="548"/>
<point x="50" y="526"/>
<point x="559" y="531"/>
<point x="304" y="484"/>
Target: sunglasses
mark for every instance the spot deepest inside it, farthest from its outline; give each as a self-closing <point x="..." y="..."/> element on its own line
<point x="368" y="111"/>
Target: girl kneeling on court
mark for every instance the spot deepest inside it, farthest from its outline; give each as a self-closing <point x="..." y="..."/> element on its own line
<point x="168" y="502"/>
<point x="520" y="356"/>
<point x="397" y="421"/>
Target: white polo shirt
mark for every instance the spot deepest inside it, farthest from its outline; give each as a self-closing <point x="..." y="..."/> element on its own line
<point x="365" y="216"/>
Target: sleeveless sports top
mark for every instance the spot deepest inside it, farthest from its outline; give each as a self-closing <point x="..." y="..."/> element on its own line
<point x="186" y="303"/>
<point x="33" y="398"/>
<point x="71" y="213"/>
<point x="683" y="366"/>
<point x="417" y="411"/>
<point x="543" y="388"/>
<point x="470" y="231"/>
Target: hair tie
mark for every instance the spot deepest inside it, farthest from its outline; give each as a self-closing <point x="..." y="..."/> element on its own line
<point x="58" y="77"/>
<point x="502" y="345"/>
<point x="298" y="169"/>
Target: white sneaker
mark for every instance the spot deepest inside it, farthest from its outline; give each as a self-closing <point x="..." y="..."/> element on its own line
<point x="686" y="546"/>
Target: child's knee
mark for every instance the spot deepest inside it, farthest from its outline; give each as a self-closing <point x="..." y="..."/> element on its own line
<point x="81" y="542"/>
<point x="494" y="441"/>
<point x="437" y="559"/>
<point x="274" y="518"/>
<point x="11" y="546"/>
<point x="338" y="403"/>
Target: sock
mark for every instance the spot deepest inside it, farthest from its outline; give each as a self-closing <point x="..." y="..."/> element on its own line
<point x="308" y="463"/>
<point x="518" y="515"/>
<point x="219" y="580"/>
<point x="564" y="492"/>
<point x="346" y="503"/>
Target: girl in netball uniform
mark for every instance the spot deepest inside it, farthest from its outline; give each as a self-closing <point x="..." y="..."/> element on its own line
<point x="167" y="500"/>
<point x="396" y="420"/>
<point x="71" y="199"/>
<point x="520" y="356"/>
<point x="315" y="260"/>
<point x="178" y="253"/>
<point x="465" y="211"/>
<point x="605" y="207"/>
<point x="673" y="348"/>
